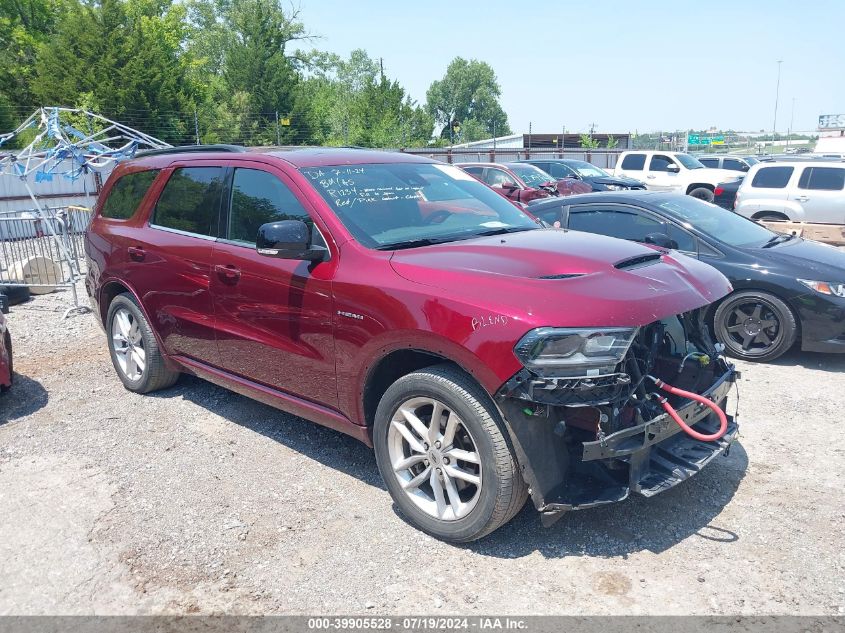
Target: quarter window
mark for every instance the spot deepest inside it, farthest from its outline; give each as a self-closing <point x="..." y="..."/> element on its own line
<point x="190" y="201"/>
<point x="772" y="177"/>
<point x="634" y="162"/>
<point x="126" y="194"/>
<point x="822" y="178"/>
<point x="259" y="197"/>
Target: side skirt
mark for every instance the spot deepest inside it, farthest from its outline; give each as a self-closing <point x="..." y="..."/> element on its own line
<point x="277" y="399"/>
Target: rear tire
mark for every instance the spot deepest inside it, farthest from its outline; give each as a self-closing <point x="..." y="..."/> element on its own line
<point x="755" y="326"/>
<point x="702" y="193"/>
<point x="770" y="217"/>
<point x="480" y="484"/>
<point x="134" y="349"/>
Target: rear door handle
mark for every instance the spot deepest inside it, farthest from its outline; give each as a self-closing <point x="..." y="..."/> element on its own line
<point x="228" y="272"/>
<point x="136" y="253"/>
<point x="650" y="177"/>
<point x="801" y="198"/>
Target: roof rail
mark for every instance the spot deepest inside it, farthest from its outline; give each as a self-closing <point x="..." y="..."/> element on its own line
<point x="190" y="149"/>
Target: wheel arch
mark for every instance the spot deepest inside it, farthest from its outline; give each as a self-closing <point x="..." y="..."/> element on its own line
<point x="700" y="185"/>
<point x="711" y="309"/>
<point x="114" y="287"/>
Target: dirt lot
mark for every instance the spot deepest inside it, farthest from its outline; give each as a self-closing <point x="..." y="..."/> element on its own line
<point x="197" y="500"/>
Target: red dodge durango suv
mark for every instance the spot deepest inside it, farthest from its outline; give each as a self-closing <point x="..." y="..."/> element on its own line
<point x="401" y="301"/>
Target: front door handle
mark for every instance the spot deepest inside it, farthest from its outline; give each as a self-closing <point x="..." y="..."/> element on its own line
<point x="650" y="177"/>
<point x="136" y="253"/>
<point x="228" y="272"/>
<point x="801" y="198"/>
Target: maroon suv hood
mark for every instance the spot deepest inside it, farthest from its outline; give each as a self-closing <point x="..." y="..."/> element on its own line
<point x="564" y="278"/>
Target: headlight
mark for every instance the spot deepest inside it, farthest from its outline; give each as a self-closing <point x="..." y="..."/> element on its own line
<point x="825" y="287"/>
<point x="564" y="351"/>
<point x="615" y="187"/>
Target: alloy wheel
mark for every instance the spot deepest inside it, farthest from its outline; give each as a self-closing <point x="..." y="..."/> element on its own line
<point x="434" y="458"/>
<point x="128" y="344"/>
<point x="753" y="327"/>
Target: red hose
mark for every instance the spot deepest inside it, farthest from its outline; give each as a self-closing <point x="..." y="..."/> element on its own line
<point x="723" y="420"/>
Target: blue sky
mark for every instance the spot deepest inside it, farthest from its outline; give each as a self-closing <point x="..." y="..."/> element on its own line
<point x="636" y="65"/>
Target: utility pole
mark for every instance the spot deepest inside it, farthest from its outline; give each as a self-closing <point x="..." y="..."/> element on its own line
<point x="777" y="94"/>
<point x="278" y="134"/>
<point x="791" y="122"/>
<point x="197" y="127"/>
<point x="528" y="155"/>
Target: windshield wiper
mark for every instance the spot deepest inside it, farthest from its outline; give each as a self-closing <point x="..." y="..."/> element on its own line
<point x="503" y="230"/>
<point x="424" y="241"/>
<point x="779" y="238"/>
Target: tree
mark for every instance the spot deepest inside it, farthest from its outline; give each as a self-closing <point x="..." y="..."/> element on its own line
<point x="588" y="142"/>
<point x="124" y="58"/>
<point x="468" y="93"/>
<point x="612" y="141"/>
<point x="352" y="102"/>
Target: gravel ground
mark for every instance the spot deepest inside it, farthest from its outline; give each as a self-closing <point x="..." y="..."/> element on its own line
<point x="197" y="500"/>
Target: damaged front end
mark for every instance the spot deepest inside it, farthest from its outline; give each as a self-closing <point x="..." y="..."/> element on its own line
<point x="585" y="418"/>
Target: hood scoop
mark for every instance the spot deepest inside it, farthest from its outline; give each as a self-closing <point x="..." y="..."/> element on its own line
<point x="638" y="262"/>
<point x="561" y="276"/>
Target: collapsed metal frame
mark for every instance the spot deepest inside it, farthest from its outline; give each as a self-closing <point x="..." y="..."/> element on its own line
<point x="55" y="143"/>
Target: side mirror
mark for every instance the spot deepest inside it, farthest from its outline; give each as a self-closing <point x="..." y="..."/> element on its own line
<point x="662" y="240"/>
<point x="672" y="167"/>
<point x="288" y="239"/>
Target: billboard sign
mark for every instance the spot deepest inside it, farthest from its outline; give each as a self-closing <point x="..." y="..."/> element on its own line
<point x="832" y="122"/>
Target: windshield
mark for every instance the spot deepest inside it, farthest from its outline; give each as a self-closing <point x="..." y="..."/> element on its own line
<point x="688" y="161"/>
<point x="750" y="160"/>
<point x="585" y="169"/>
<point x="410" y="204"/>
<point x="531" y="175"/>
<point x="721" y="224"/>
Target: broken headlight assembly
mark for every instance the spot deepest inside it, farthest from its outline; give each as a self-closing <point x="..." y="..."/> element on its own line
<point x="825" y="287"/>
<point x="550" y="351"/>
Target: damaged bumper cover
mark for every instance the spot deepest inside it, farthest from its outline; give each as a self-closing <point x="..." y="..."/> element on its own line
<point x="565" y="471"/>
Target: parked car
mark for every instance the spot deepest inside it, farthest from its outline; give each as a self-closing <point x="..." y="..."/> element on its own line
<point x="672" y="171"/>
<point x="522" y="182"/>
<point x="6" y="365"/>
<point x="401" y="301"/>
<point x="728" y="161"/>
<point x="725" y="193"/>
<point x="785" y="289"/>
<point x="797" y="191"/>
<point x="597" y="178"/>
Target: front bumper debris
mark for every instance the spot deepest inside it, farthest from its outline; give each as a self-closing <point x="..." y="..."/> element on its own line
<point x="566" y="474"/>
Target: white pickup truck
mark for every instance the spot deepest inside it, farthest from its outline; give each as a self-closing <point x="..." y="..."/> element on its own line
<point x="673" y="171"/>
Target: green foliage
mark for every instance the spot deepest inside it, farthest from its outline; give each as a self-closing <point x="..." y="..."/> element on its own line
<point x="222" y="71"/>
<point x="468" y="93"/>
<point x="612" y="142"/>
<point x="588" y="142"/>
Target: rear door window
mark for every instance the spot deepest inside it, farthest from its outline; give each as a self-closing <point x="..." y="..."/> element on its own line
<point x="772" y="177"/>
<point x="126" y="194"/>
<point x="190" y="201"/>
<point x="633" y="162"/>
<point x="822" y="178"/>
<point x="709" y="162"/>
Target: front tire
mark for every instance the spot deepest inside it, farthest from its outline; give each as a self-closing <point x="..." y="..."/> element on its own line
<point x="703" y="193"/>
<point x="134" y="350"/>
<point x="442" y="450"/>
<point x="755" y="326"/>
